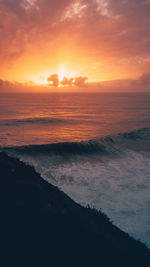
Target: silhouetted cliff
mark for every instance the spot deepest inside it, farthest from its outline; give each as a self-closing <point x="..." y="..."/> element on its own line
<point x="42" y="226"/>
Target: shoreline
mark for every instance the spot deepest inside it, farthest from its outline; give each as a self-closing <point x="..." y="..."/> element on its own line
<point x="41" y="223"/>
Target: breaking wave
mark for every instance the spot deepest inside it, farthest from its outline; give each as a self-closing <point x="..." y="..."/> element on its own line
<point x="67" y="148"/>
<point x="112" y="174"/>
<point x="108" y="145"/>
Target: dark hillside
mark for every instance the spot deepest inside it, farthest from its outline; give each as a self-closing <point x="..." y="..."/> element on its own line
<point x="42" y="226"/>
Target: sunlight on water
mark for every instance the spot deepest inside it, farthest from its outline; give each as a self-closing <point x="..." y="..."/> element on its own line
<point x="48" y="118"/>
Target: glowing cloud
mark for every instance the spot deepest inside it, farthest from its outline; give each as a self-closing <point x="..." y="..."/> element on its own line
<point x="53" y="79"/>
<point x="38" y="35"/>
<point x="56" y="80"/>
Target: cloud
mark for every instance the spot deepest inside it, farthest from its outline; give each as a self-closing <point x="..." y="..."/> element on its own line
<point x="80" y="81"/>
<point x="144" y="79"/>
<point x="7" y="86"/>
<point x="53" y="80"/>
<point x="67" y="81"/>
<point x="23" y="22"/>
<point x="98" y="30"/>
<point x="102" y="20"/>
<point x="77" y="81"/>
<point x="141" y="84"/>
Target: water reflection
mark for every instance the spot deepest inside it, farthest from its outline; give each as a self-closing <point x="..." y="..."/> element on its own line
<point x="46" y="118"/>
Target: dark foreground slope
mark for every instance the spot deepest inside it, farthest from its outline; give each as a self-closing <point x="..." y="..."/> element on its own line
<point x="42" y="226"/>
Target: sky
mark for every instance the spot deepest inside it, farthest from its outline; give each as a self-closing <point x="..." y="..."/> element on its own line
<point x="99" y="39"/>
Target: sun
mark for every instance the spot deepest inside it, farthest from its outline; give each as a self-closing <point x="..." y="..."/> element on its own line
<point x="63" y="71"/>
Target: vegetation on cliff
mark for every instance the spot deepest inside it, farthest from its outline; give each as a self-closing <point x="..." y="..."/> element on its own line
<point x="42" y="226"/>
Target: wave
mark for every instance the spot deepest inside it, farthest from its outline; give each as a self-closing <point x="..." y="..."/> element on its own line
<point x="143" y="133"/>
<point x="118" y="183"/>
<point x="108" y="145"/>
<point x="88" y="147"/>
<point x="34" y="120"/>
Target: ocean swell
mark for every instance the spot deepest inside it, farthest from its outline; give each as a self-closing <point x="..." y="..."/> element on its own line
<point x="111" y="174"/>
<point x="109" y="145"/>
<point x="34" y="120"/>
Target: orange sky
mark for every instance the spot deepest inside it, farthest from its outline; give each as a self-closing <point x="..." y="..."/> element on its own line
<point x="102" y="40"/>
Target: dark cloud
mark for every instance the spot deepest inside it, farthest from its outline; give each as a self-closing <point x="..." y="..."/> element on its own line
<point x="80" y="81"/>
<point x="77" y="81"/>
<point x="53" y="80"/>
<point x="142" y="84"/>
<point x="67" y="81"/>
<point x="7" y="86"/>
<point x="144" y="79"/>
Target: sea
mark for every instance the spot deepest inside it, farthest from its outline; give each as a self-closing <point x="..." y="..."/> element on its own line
<point x="93" y="146"/>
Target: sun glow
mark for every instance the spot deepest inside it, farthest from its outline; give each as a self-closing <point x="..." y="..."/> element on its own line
<point x="40" y="81"/>
<point x="62" y="71"/>
<point x="40" y="78"/>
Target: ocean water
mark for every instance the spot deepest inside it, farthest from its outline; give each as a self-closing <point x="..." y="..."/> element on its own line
<point x="94" y="147"/>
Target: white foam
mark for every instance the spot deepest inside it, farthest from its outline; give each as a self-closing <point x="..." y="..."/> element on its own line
<point x="118" y="186"/>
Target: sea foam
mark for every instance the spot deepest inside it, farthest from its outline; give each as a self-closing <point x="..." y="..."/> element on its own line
<point x="111" y="174"/>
